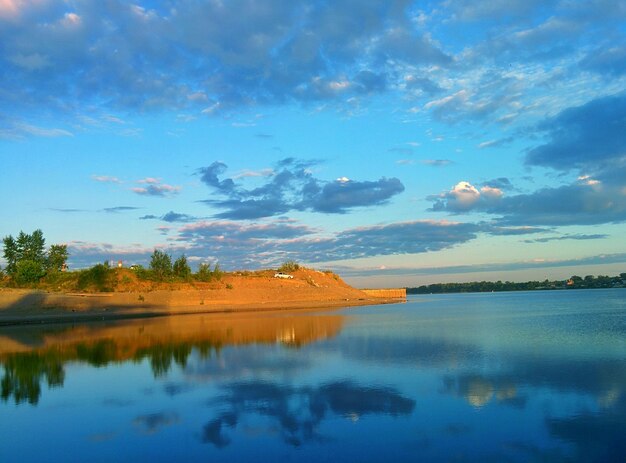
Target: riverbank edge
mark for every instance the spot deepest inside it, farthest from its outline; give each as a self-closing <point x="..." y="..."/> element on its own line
<point x="77" y="309"/>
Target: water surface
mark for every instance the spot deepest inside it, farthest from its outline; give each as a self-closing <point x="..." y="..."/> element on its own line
<point x="528" y="376"/>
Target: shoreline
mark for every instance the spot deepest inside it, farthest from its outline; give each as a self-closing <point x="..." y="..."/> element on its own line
<point x="33" y="307"/>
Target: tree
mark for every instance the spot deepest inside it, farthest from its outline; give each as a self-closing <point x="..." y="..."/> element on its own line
<point x="57" y="256"/>
<point x="161" y="265"/>
<point x="181" y="268"/>
<point x="204" y="273"/>
<point x="27" y="259"/>
<point x="10" y="254"/>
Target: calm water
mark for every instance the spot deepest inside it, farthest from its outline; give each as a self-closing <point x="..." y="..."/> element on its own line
<point x="497" y="377"/>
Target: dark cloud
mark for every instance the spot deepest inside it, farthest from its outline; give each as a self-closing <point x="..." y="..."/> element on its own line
<point x="584" y="137"/>
<point x="266" y="245"/>
<point x="502" y="183"/>
<point x="437" y="162"/>
<point x="117" y="209"/>
<point x="512" y="231"/>
<point x="341" y="196"/>
<point x="579" y="236"/>
<point x="292" y="186"/>
<point x="171" y="217"/>
<point x="209" y="176"/>
<point x="68" y="211"/>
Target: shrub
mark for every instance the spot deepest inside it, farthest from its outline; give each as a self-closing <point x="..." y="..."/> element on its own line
<point x="289" y="266"/>
<point x="98" y="277"/>
<point x="28" y="271"/>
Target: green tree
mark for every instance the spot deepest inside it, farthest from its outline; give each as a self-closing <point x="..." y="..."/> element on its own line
<point x="57" y="256"/>
<point x="217" y="271"/>
<point x="181" y="268"/>
<point x="161" y="265"/>
<point x="10" y="254"/>
<point x="204" y="273"/>
<point x="27" y="259"/>
<point x="32" y="247"/>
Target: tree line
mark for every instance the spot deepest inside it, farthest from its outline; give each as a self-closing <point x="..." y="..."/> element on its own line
<point x="27" y="258"/>
<point x="575" y="282"/>
<point x="28" y="262"/>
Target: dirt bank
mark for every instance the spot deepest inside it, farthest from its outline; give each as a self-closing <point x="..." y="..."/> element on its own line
<point x="237" y="292"/>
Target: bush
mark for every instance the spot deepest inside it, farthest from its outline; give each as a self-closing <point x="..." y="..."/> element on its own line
<point x="28" y="271"/>
<point x="289" y="266"/>
<point x="98" y="277"/>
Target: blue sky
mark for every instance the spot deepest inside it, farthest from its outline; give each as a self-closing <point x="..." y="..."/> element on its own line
<point x="396" y="142"/>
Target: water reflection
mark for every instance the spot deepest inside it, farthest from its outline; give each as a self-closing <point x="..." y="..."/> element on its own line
<point x="298" y="412"/>
<point x="402" y="383"/>
<point x="31" y="356"/>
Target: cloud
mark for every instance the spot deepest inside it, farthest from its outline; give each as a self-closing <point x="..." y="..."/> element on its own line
<point x="170" y="217"/>
<point x="341" y="196"/>
<point x="117" y="209"/>
<point x="292" y="186"/>
<point x="65" y="210"/>
<point x="578" y="236"/>
<point x="154" y="187"/>
<point x="601" y="259"/>
<point x="496" y="143"/>
<point x="205" y="55"/>
<point x="17" y="130"/>
<point x="464" y="197"/>
<point x="436" y="162"/>
<point x="590" y="136"/>
<point x="501" y="183"/>
<point x="580" y="203"/>
<point x="269" y="244"/>
<point x="606" y="61"/>
<point x="106" y="179"/>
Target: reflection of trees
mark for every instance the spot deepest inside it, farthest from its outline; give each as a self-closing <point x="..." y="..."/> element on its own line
<point x="299" y="411"/>
<point x="24" y="372"/>
<point x="165" y="343"/>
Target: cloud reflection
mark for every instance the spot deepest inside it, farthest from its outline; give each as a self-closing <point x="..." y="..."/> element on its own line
<point x="298" y="412"/>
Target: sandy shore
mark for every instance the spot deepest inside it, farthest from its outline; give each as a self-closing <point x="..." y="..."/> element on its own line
<point x="309" y="289"/>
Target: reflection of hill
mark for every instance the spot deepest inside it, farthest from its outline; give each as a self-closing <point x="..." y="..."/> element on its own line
<point x="30" y="355"/>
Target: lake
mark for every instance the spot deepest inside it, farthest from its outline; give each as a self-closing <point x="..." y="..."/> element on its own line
<point x="525" y="376"/>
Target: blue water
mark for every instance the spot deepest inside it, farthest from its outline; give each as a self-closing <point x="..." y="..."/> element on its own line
<point x="525" y="376"/>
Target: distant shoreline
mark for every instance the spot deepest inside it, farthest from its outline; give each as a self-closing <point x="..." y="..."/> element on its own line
<point x="409" y="292"/>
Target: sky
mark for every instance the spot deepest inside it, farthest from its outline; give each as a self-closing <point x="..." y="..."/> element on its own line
<point x="395" y="142"/>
